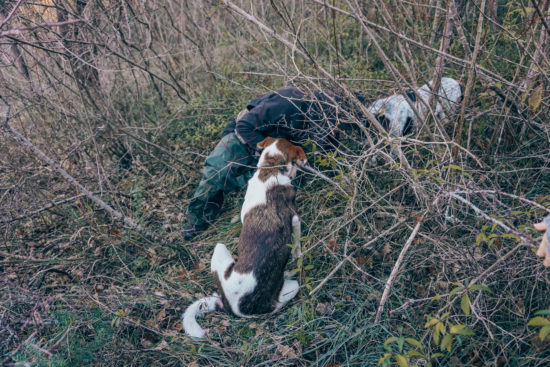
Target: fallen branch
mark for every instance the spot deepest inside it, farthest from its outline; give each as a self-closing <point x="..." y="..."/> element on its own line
<point x="494" y="220"/>
<point x="394" y="271"/>
<point x="38" y="211"/>
<point x="348" y="258"/>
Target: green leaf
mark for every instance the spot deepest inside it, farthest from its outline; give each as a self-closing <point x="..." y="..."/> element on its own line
<point x="480" y="237"/>
<point x="446" y="343"/>
<point x="538" y="321"/>
<point x="415" y="353"/>
<point x="480" y="287"/>
<point x="456" y="290"/>
<point x="542" y="313"/>
<point x="466" y="331"/>
<point x="512" y="236"/>
<point x="453" y="166"/>
<point x="544" y="332"/>
<point x="309" y="267"/>
<point x="414" y="343"/>
<point x="454" y="329"/>
<point x="431" y="322"/>
<point x="437" y="355"/>
<point x="465" y="304"/>
<point x="384" y="358"/>
<point x="439" y="329"/>
<point x="402" y="360"/>
<point x="390" y="340"/>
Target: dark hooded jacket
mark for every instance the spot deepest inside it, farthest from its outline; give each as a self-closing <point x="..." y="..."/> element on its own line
<point x="293" y="114"/>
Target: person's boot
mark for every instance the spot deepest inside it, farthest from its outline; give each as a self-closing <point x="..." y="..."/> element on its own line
<point x="192" y="230"/>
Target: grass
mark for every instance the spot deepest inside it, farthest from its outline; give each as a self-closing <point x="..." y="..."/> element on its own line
<point x="79" y="289"/>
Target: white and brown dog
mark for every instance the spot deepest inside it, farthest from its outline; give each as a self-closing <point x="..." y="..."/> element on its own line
<point x="255" y="284"/>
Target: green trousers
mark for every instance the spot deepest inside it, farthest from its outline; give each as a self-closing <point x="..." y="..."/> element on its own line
<point x="226" y="169"/>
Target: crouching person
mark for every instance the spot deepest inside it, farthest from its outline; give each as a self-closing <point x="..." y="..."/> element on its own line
<point x="544" y="248"/>
<point x="291" y="113"/>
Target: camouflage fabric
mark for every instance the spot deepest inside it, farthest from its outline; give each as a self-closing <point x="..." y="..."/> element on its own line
<point x="227" y="168"/>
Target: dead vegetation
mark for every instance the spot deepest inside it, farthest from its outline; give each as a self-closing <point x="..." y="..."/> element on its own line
<point x="425" y="257"/>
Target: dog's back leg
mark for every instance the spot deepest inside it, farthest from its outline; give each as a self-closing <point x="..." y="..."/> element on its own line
<point x="288" y="292"/>
<point x="221" y="259"/>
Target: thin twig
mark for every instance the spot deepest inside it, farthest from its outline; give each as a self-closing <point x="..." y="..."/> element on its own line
<point x="348" y="258"/>
<point x="17" y="31"/>
<point x="495" y="192"/>
<point x="395" y="270"/>
<point x="494" y="220"/>
<point x="7" y="19"/>
<point x="38" y="211"/>
<point x="470" y="82"/>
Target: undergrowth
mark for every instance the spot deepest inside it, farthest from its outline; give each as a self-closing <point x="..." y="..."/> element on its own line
<point x="78" y="288"/>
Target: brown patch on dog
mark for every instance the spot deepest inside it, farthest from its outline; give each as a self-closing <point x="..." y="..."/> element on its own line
<point x="274" y="164"/>
<point x="229" y="270"/>
<point x="224" y="305"/>
<point x="297" y="155"/>
<point x="265" y="143"/>
<point x="277" y="163"/>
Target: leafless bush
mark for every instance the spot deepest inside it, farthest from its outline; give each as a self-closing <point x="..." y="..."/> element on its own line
<point x="99" y="87"/>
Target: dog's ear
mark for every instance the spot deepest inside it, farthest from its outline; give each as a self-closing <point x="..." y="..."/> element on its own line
<point x="296" y="154"/>
<point x="383" y="120"/>
<point x="265" y="143"/>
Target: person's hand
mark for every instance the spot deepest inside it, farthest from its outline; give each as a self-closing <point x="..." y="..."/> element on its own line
<point x="543" y="248"/>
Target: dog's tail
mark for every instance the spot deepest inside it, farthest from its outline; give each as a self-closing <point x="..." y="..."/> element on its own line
<point x="199" y="308"/>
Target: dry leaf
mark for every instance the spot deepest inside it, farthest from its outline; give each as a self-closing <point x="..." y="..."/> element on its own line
<point x="387" y="249"/>
<point x="163" y="344"/>
<point x="535" y="98"/>
<point x="152" y="323"/>
<point x="321" y="308"/>
<point x="161" y="314"/>
<point x="285" y="351"/>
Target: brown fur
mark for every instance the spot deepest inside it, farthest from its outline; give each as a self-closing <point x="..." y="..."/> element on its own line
<point x="266" y="236"/>
<point x="276" y="164"/>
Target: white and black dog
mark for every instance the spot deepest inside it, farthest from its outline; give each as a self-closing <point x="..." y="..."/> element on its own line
<point x="396" y="115"/>
<point x="255" y="284"/>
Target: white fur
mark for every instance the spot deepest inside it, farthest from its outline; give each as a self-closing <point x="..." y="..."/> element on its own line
<point x="238" y="285"/>
<point x="397" y="109"/>
<point x="221" y="259"/>
<point x="256" y="190"/>
<point x="288" y="292"/>
<point x="198" y="308"/>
